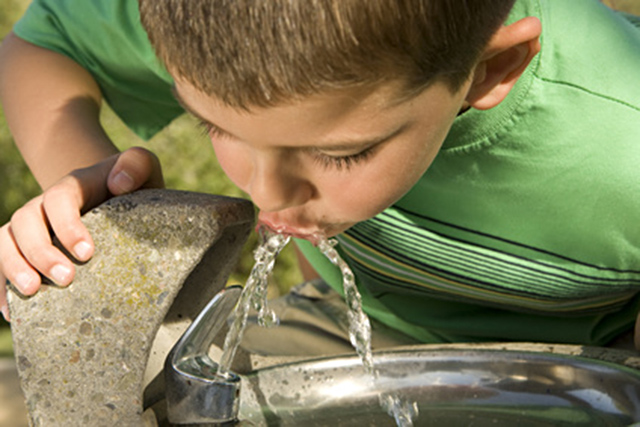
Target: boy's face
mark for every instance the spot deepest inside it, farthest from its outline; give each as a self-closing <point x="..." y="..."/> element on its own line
<point x="328" y="161"/>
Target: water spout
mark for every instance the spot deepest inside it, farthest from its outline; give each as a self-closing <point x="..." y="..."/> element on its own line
<point x="200" y="390"/>
<point x="196" y="390"/>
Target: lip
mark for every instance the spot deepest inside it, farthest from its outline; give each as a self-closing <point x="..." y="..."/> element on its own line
<point x="313" y="236"/>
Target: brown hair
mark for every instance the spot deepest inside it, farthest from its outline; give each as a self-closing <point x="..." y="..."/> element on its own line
<point x="262" y="52"/>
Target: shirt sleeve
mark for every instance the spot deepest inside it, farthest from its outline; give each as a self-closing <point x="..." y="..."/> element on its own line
<point x="106" y="38"/>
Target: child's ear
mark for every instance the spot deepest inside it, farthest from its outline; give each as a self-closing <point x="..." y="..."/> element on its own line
<point x="504" y="59"/>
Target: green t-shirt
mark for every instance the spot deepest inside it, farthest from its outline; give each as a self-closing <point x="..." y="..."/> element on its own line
<point x="524" y="227"/>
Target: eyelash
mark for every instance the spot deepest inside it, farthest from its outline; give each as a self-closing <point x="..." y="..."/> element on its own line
<point x="326" y="161"/>
<point x="210" y="130"/>
<point x="342" y="162"/>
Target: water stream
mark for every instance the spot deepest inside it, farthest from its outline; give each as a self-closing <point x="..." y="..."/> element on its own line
<point x="254" y="295"/>
<point x="403" y="411"/>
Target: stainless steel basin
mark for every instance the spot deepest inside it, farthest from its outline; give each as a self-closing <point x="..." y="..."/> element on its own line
<point x="451" y="387"/>
<point x="508" y="384"/>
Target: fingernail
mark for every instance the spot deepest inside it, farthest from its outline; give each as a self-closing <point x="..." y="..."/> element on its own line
<point x="61" y="274"/>
<point x="123" y="182"/>
<point x="23" y="282"/>
<point x="5" y="312"/>
<point x="82" y="250"/>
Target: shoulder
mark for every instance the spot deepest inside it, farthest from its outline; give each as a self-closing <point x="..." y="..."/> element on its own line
<point x="107" y="39"/>
<point x="49" y="23"/>
<point x="589" y="47"/>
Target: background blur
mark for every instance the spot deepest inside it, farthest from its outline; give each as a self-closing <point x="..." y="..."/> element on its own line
<point x="187" y="159"/>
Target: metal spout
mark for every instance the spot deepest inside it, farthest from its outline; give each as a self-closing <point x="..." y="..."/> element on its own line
<point x="195" y="393"/>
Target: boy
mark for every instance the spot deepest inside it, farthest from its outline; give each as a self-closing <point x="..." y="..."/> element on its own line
<point x="480" y="178"/>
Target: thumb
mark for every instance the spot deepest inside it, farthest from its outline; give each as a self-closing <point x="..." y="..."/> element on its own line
<point x="135" y="168"/>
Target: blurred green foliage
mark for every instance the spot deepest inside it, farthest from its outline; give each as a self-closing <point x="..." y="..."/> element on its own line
<point x="6" y="346"/>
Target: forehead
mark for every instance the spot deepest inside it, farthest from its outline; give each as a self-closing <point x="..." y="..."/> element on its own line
<point x="332" y="117"/>
<point x="385" y="94"/>
<point x="359" y="100"/>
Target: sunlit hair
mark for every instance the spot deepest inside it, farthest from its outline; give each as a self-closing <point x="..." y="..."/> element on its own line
<point x="263" y="52"/>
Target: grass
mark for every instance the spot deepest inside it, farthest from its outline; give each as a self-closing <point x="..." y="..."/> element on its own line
<point x="6" y="346"/>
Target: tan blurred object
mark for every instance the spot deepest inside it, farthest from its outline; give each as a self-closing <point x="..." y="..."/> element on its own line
<point x="13" y="412"/>
<point x="630" y="6"/>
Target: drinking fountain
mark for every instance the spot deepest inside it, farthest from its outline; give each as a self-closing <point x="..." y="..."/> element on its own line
<point x="492" y="384"/>
<point x="135" y="341"/>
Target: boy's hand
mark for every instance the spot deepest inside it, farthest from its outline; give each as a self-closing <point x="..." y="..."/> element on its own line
<point x="26" y="249"/>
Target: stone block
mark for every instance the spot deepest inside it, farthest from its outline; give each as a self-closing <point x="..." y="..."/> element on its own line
<point x="86" y="352"/>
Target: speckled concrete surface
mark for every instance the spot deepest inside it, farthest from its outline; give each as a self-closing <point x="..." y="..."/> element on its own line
<point x="82" y="351"/>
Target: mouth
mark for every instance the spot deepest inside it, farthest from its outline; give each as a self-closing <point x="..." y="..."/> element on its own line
<point x="313" y="236"/>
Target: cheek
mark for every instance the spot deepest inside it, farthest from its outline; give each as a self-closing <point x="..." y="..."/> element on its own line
<point x="377" y="186"/>
<point x="360" y="196"/>
<point x="373" y="196"/>
<point x="234" y="164"/>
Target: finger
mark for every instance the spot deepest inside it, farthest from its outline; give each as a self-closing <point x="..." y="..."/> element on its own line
<point x="32" y="249"/>
<point x="135" y="168"/>
<point x="13" y="266"/>
<point x="4" y="307"/>
<point x="88" y="185"/>
<point x="62" y="206"/>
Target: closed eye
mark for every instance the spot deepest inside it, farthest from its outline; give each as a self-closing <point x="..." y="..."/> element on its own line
<point x="342" y="162"/>
<point x="326" y="160"/>
<point x="211" y="130"/>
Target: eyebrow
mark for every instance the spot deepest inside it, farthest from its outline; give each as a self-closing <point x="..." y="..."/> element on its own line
<point x="344" y="146"/>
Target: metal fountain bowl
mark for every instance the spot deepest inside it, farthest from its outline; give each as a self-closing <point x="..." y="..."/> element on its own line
<point x="451" y="388"/>
<point x="515" y="384"/>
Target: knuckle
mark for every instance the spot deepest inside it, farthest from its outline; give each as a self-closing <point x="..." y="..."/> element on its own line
<point x="18" y="255"/>
<point x="18" y="216"/>
<point x="60" y="189"/>
<point x="26" y="210"/>
<point x="68" y="233"/>
<point x="144" y="155"/>
<point x="140" y="150"/>
<point x="37" y="257"/>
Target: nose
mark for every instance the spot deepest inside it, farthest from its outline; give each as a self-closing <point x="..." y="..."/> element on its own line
<point x="277" y="183"/>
